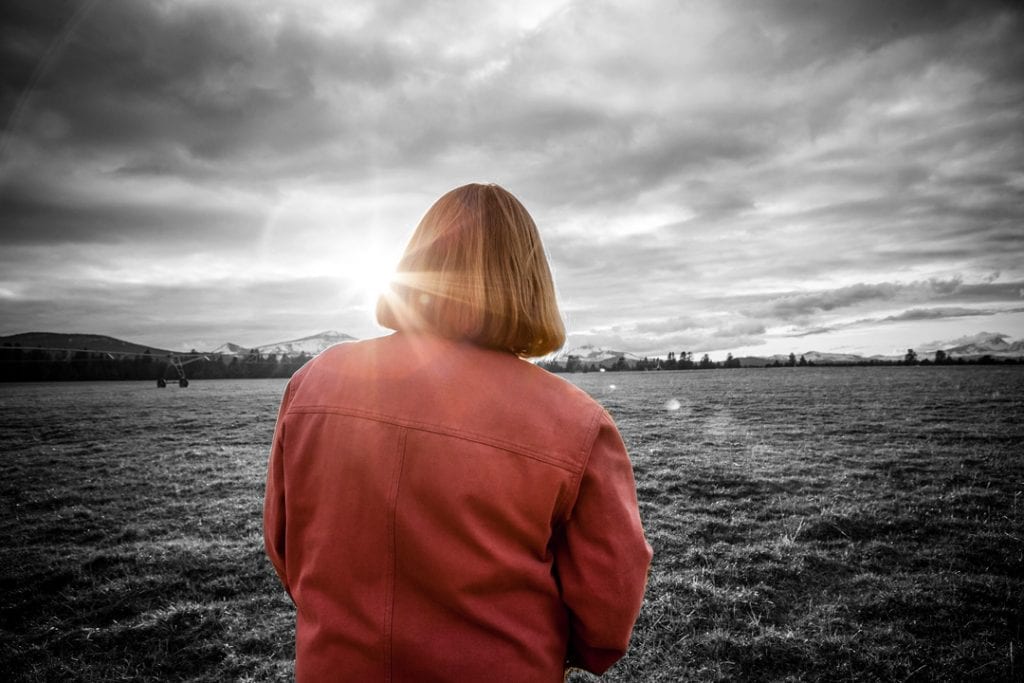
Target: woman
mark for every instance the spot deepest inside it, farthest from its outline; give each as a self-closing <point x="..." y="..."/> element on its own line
<point x="438" y="508"/>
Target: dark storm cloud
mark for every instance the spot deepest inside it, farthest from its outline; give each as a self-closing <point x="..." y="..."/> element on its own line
<point x="131" y="71"/>
<point x="225" y="85"/>
<point x="802" y="304"/>
<point x="991" y="291"/>
<point x="936" y="313"/>
<point x="867" y="25"/>
<point x="30" y="217"/>
<point x="755" y="126"/>
<point x="203" y="90"/>
<point x="910" y="315"/>
<point x="796" y="305"/>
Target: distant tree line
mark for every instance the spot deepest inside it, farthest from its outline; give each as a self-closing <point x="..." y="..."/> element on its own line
<point x="685" y="361"/>
<point x="49" y="365"/>
<point x="46" y="365"/>
<point x="943" y="358"/>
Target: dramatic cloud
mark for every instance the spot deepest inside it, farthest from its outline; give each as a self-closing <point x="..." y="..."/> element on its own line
<point x="913" y="314"/>
<point x="708" y="176"/>
<point x="802" y="304"/>
<point x="937" y="313"/>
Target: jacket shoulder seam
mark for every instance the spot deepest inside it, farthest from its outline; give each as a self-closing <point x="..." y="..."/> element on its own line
<point x="584" y="459"/>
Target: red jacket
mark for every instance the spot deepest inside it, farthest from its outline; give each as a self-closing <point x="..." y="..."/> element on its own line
<point x="442" y="512"/>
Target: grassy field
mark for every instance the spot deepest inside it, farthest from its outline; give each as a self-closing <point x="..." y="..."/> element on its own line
<point x="808" y="524"/>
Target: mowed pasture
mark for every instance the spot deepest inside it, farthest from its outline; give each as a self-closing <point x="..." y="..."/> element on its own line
<point x="808" y="524"/>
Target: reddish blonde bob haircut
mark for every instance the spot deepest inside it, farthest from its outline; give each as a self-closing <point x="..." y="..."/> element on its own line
<point x="475" y="270"/>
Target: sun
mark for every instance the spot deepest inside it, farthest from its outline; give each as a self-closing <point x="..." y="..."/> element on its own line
<point x="369" y="272"/>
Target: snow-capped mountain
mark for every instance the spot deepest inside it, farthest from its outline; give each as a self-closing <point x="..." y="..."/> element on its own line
<point x="986" y="343"/>
<point x="310" y="345"/>
<point x="593" y="356"/>
<point x="994" y="344"/>
<point x="229" y="349"/>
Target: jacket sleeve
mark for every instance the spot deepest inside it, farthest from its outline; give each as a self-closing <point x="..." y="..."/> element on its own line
<point x="274" y="501"/>
<point x="602" y="557"/>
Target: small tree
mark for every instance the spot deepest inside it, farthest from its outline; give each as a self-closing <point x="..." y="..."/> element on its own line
<point x="911" y="357"/>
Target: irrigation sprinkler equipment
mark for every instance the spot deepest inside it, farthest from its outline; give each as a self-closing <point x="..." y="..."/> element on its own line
<point x="179" y="367"/>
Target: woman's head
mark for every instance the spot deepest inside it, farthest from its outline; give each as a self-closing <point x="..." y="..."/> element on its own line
<point x="475" y="269"/>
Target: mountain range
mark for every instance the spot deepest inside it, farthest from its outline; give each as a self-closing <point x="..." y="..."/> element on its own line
<point x="592" y="356"/>
<point x="309" y="346"/>
<point x="993" y="344"/>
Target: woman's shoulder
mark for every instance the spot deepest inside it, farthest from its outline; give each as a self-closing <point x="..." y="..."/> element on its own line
<point x="559" y="385"/>
<point x="455" y="389"/>
<point x="425" y="365"/>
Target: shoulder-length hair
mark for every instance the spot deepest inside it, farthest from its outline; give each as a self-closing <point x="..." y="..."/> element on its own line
<point x="475" y="270"/>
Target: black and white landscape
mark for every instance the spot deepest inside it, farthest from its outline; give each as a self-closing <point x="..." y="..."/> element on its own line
<point x="787" y="241"/>
<point x="747" y="177"/>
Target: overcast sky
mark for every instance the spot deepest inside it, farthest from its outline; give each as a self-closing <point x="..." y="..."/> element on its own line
<point x="755" y="177"/>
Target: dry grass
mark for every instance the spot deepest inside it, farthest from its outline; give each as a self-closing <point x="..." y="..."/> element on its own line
<point x="835" y="526"/>
<point x="136" y="541"/>
<point x="805" y="527"/>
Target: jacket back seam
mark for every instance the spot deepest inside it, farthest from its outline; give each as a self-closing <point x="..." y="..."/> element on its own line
<point x="392" y="549"/>
<point x="502" y="444"/>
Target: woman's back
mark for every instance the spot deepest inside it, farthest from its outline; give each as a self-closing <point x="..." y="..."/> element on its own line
<point x="442" y="510"/>
<point x="439" y="511"/>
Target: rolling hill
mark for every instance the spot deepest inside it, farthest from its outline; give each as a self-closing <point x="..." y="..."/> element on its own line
<point x="78" y="342"/>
